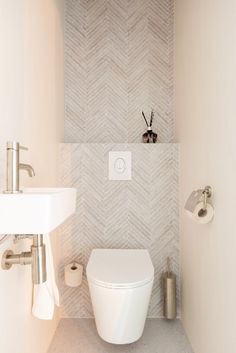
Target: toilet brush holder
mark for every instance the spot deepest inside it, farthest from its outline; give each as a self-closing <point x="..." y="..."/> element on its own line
<point x="169" y="293"/>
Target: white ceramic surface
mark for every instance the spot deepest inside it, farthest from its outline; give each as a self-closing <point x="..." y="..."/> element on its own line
<point x="36" y="210"/>
<point x="120" y="313"/>
<point x="120" y="268"/>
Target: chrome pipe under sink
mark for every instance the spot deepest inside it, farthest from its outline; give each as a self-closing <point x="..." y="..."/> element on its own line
<point x="36" y="258"/>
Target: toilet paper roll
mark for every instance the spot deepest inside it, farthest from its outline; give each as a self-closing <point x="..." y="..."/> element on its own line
<point x="201" y="215"/>
<point x="73" y="274"/>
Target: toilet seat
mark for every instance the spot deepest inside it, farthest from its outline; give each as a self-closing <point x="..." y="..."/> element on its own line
<point x="120" y="268"/>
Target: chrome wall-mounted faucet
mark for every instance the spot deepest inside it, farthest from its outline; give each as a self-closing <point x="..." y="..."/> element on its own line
<point x="14" y="166"/>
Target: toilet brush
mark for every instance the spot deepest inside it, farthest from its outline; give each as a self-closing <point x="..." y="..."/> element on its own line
<point x="169" y="292"/>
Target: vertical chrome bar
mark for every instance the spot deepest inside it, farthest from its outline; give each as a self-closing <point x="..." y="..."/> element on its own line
<point x="38" y="240"/>
<point x="39" y="274"/>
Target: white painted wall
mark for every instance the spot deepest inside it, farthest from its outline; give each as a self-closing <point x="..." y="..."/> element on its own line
<point x="205" y="63"/>
<point x="31" y="111"/>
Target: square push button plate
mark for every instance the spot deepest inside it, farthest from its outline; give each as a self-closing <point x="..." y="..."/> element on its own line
<point x="119" y="165"/>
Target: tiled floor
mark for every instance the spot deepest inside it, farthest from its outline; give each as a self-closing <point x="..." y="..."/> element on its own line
<point x="80" y="336"/>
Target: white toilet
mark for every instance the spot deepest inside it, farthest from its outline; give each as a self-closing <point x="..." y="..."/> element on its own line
<point x="120" y="283"/>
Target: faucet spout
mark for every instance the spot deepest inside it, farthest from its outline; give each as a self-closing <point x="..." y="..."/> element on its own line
<point x="14" y="166"/>
<point x="28" y="168"/>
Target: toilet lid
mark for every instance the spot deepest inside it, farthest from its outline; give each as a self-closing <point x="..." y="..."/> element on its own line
<point x="120" y="268"/>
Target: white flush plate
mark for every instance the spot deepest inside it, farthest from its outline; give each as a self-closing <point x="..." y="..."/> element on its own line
<point x="120" y="165"/>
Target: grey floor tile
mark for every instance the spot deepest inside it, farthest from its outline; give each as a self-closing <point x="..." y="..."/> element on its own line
<point x="80" y="336"/>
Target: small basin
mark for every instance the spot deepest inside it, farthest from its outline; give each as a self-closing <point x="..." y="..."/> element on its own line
<point x="36" y="210"/>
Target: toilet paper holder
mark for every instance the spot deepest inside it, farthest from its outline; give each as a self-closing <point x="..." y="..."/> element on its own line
<point x="198" y="196"/>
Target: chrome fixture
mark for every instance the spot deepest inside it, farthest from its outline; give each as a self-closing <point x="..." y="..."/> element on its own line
<point x="36" y="257"/>
<point x="199" y="196"/>
<point x="169" y="292"/>
<point x="14" y="166"/>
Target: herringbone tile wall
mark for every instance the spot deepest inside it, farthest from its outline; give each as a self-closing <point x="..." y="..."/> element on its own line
<point x="140" y="213"/>
<point x="118" y="62"/>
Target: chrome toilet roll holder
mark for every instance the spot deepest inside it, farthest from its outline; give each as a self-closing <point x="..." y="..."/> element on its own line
<point x="207" y="192"/>
<point x="200" y="195"/>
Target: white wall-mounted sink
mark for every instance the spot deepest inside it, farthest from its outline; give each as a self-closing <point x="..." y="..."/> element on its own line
<point x="36" y="210"/>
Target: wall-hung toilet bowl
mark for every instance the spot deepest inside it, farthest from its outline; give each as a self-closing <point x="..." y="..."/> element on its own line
<point x="120" y="284"/>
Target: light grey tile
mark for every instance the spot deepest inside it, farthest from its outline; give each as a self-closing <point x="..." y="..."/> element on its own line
<point x="80" y="336"/>
<point x="118" y="62"/>
<point x="140" y="213"/>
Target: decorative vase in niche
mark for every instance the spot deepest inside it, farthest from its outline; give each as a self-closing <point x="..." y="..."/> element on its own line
<point x="149" y="136"/>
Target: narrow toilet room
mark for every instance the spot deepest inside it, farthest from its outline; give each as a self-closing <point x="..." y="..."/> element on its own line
<point x="118" y="164"/>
